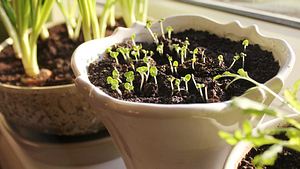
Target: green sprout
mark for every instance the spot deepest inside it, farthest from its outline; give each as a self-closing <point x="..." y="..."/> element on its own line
<point x="175" y="65"/>
<point x="128" y="86"/>
<point x="186" y="79"/>
<point x="147" y="61"/>
<point x="153" y="72"/>
<point x="148" y="26"/>
<point x="243" y="55"/>
<point x="114" y="84"/>
<point x="162" y="28"/>
<point x="125" y="52"/>
<point x="202" y="51"/>
<point x="177" y="48"/>
<point x="170" y="59"/>
<point x="132" y="37"/>
<point x="171" y="79"/>
<point x="108" y="50"/>
<point x="236" y="57"/>
<point x="136" y="51"/>
<point x="183" y="53"/>
<point x="194" y="59"/>
<point x="177" y="83"/>
<point x="135" y="54"/>
<point x="129" y="77"/>
<point x="221" y="59"/>
<point x="200" y="86"/>
<point x="245" y="43"/>
<point x="169" y="30"/>
<point x="115" y="56"/>
<point x="143" y="72"/>
<point x="160" y="49"/>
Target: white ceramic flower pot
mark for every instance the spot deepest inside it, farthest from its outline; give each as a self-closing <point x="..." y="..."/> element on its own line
<point x="242" y="148"/>
<point x="183" y="136"/>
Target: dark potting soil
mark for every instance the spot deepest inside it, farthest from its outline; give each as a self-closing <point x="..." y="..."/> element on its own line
<point x="287" y="159"/>
<point x="54" y="54"/>
<point x="259" y="64"/>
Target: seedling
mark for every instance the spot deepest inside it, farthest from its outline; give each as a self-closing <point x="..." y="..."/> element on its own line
<point x="177" y="83"/>
<point x="148" y="26"/>
<point x="186" y="79"/>
<point x="202" y="51"/>
<point x="137" y="49"/>
<point x="177" y="48"/>
<point x="108" y="50"/>
<point x="236" y="57"/>
<point x="221" y="59"/>
<point x="175" y="65"/>
<point x="194" y="59"/>
<point x="129" y="77"/>
<point x="132" y="37"/>
<point x="116" y="75"/>
<point x="170" y="59"/>
<point x="125" y="52"/>
<point x="153" y="72"/>
<point x="160" y="49"/>
<point x="135" y="54"/>
<point x="171" y="79"/>
<point x="183" y="53"/>
<point x="169" y="30"/>
<point x="129" y="87"/>
<point x="146" y="60"/>
<point x="200" y="86"/>
<point x="143" y="72"/>
<point x="243" y="55"/>
<point x="115" y="56"/>
<point x="245" y="44"/>
<point x="162" y="28"/>
<point x="114" y="84"/>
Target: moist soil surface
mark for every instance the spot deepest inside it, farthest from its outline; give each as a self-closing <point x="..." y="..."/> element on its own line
<point x="259" y="64"/>
<point x="54" y="54"/>
<point x="287" y="159"/>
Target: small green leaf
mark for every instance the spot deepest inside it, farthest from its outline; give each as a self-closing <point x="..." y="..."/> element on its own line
<point x="109" y="80"/>
<point x="228" y="138"/>
<point x="128" y="86"/>
<point x="242" y="72"/>
<point x="268" y="157"/>
<point x="153" y="71"/>
<point x="187" y="77"/>
<point x="245" y="43"/>
<point x="175" y="63"/>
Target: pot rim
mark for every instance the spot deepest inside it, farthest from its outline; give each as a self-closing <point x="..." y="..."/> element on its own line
<point x="83" y="81"/>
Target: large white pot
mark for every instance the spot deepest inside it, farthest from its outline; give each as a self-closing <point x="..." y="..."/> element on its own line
<point x="242" y="148"/>
<point x="182" y="136"/>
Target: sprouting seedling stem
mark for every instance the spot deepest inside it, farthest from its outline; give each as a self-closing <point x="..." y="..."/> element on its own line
<point x="194" y="59"/>
<point x="146" y="60"/>
<point x="199" y="87"/>
<point x="116" y="75"/>
<point x="160" y="49"/>
<point x="221" y="59"/>
<point x="153" y="72"/>
<point x="137" y="49"/>
<point x="245" y="44"/>
<point x="171" y="79"/>
<point x="202" y="50"/>
<point x="177" y="83"/>
<point x="148" y="26"/>
<point x="132" y="37"/>
<point x="186" y="79"/>
<point x="183" y="53"/>
<point x="177" y="48"/>
<point x="142" y="71"/>
<point x="235" y="58"/>
<point x="175" y="65"/>
<point x="162" y="28"/>
<point x="243" y="55"/>
<point x="170" y="59"/>
<point x="169" y="30"/>
<point x="115" y="56"/>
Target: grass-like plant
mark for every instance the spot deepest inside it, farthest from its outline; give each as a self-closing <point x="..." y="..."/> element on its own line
<point x="24" y="22"/>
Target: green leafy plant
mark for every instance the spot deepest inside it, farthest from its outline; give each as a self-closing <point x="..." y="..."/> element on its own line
<point x="125" y="52"/>
<point x="116" y="75"/>
<point x="265" y="137"/>
<point x="129" y="87"/>
<point x="129" y="77"/>
<point x="243" y="55"/>
<point x="245" y="43"/>
<point x="19" y="17"/>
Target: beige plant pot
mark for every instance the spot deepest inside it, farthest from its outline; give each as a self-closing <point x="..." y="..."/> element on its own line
<point x="58" y="110"/>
